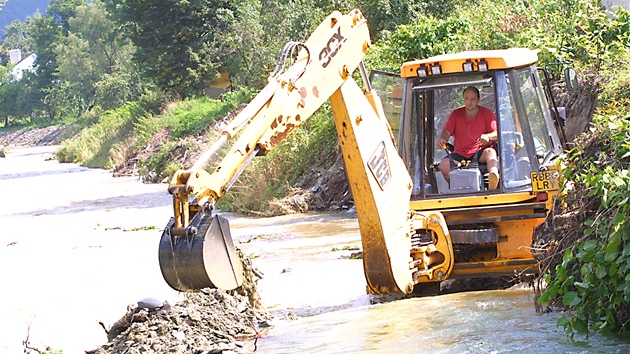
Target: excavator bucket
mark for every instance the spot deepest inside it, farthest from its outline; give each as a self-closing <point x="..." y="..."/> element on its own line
<point x="202" y="257"/>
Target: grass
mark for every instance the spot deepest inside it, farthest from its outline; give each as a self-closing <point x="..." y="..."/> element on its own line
<point x="270" y="178"/>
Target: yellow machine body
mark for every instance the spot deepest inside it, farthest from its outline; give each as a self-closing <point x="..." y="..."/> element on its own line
<point x="414" y="229"/>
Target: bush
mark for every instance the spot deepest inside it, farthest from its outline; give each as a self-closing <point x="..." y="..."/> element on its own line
<point x="593" y="278"/>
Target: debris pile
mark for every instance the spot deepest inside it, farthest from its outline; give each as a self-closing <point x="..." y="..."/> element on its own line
<point x="209" y="321"/>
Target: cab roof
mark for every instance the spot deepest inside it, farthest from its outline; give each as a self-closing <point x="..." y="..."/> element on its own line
<point x="454" y="63"/>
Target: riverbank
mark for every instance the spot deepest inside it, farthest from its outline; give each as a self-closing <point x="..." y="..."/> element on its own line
<point x="33" y="137"/>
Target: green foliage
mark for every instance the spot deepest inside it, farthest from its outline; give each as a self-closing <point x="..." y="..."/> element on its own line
<point x="63" y="10"/>
<point x="594" y="276"/>
<point x="18" y="10"/>
<point x="601" y="41"/>
<point x="114" y="90"/>
<point x="49" y="350"/>
<point x="345" y="248"/>
<point x="189" y="118"/>
<point x="9" y="91"/>
<point x="184" y="118"/>
<point x="192" y="116"/>
<point x="123" y="132"/>
<point x="423" y="38"/>
<point x="577" y="31"/>
<point x="180" y="42"/>
<point x="161" y="162"/>
<point x="385" y="15"/>
<point x="15" y="38"/>
<point x="255" y="35"/>
<point x="92" y="61"/>
<point x="92" y="147"/>
<point x="617" y="89"/>
<point x="44" y="33"/>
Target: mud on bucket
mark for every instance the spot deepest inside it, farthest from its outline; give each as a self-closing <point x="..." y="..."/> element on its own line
<point x="202" y="259"/>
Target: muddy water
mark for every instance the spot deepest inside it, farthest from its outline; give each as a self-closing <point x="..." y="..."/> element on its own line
<point x="325" y="290"/>
<point x="77" y="246"/>
<point x="69" y="255"/>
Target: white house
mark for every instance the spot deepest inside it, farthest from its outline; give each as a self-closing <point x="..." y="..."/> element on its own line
<point x="21" y="65"/>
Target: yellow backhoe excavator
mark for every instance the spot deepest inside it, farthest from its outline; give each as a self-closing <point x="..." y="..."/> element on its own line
<point x="417" y="230"/>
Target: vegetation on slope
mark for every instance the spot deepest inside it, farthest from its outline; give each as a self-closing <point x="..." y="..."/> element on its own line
<point x="585" y="241"/>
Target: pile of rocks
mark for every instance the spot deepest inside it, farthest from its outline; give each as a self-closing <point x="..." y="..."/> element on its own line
<point x="210" y="321"/>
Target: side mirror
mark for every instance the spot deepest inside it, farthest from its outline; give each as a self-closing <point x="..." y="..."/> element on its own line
<point x="570" y="77"/>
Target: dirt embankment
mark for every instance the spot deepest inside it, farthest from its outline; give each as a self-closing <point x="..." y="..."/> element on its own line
<point x="321" y="189"/>
<point x="34" y="137"/>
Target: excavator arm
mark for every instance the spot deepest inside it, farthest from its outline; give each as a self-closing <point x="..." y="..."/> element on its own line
<point x="196" y="248"/>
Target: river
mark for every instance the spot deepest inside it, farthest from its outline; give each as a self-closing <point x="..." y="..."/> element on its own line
<point x="78" y="246"/>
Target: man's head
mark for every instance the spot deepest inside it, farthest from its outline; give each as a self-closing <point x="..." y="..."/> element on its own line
<point x="471" y="98"/>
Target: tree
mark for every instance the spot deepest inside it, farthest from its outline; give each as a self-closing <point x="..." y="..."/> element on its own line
<point x="106" y="44"/>
<point x="8" y="95"/>
<point x="62" y="11"/>
<point x="423" y="38"/>
<point x="45" y="34"/>
<point x="15" y="37"/>
<point x="93" y="49"/>
<point x="259" y="29"/>
<point x="180" y="41"/>
<point x="388" y="14"/>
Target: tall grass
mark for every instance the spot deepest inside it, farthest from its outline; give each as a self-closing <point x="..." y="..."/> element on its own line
<point x="310" y="147"/>
<point x="126" y="132"/>
<point x="92" y="146"/>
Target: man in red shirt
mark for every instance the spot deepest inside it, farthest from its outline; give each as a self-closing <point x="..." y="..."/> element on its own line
<point x="474" y="129"/>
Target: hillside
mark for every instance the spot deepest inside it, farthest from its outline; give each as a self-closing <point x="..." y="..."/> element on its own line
<point x="20" y="10"/>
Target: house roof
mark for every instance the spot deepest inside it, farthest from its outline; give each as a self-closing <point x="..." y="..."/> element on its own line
<point x="26" y="64"/>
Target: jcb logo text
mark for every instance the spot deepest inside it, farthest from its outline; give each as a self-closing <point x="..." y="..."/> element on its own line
<point x="334" y="42"/>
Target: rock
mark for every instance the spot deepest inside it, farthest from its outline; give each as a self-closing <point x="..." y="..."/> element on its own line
<point x="150" y="303"/>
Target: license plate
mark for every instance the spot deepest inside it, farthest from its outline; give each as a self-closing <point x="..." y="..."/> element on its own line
<point x="545" y="181"/>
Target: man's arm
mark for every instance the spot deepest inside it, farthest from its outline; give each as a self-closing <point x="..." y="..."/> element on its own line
<point x="491" y="136"/>
<point x="444" y="136"/>
<point x="487" y="137"/>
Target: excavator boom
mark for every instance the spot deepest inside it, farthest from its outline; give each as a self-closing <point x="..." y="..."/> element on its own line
<point x="196" y="249"/>
<point x="418" y="226"/>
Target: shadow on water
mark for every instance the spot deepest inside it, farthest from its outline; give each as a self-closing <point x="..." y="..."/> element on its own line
<point x="135" y="201"/>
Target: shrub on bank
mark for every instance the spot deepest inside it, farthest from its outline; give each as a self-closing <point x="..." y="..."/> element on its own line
<point x="592" y="275"/>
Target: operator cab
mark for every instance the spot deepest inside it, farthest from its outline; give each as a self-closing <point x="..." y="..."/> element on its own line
<point x="419" y="101"/>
